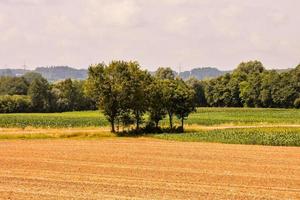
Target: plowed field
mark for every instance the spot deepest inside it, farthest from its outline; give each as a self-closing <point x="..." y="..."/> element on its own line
<point x="146" y="169"/>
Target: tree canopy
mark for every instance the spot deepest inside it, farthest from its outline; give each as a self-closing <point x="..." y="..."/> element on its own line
<point x="125" y="92"/>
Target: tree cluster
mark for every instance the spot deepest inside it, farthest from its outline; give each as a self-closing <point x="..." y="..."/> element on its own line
<point x="33" y="93"/>
<point x="251" y="85"/>
<point x="14" y="104"/>
<point x="125" y="93"/>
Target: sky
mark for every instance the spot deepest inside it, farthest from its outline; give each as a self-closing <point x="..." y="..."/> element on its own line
<point x="182" y="34"/>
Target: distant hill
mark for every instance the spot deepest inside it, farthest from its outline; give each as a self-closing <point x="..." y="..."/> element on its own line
<point x="202" y="73"/>
<point x="53" y="73"/>
<point x="283" y="70"/>
<point x="61" y="73"/>
<point x="13" y="72"/>
<point x="56" y="73"/>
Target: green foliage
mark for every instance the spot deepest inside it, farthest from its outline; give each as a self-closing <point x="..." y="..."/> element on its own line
<point x="255" y="136"/>
<point x="31" y="76"/>
<point x="165" y="73"/>
<point x="156" y="108"/>
<point x="125" y="93"/>
<point x="297" y="103"/>
<point x="15" y="103"/>
<point x="39" y="92"/>
<point x="136" y="92"/>
<point x="70" y="96"/>
<point x="13" y="86"/>
<point x="199" y="90"/>
<point x="66" y="95"/>
<point x="119" y="89"/>
<point x="169" y="98"/>
<point x="250" y="85"/>
<point x="185" y="101"/>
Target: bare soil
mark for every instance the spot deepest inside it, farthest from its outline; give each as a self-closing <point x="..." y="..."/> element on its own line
<point x="140" y="168"/>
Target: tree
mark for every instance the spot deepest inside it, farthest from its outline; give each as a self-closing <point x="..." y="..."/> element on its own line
<point x="249" y="74"/>
<point x="169" y="85"/>
<point x="67" y="95"/>
<point x="169" y="98"/>
<point x="83" y="101"/>
<point x="268" y="84"/>
<point x="249" y="67"/>
<point x="155" y="95"/>
<point x="108" y="85"/>
<point x="185" y="104"/>
<point x="101" y="88"/>
<point x="165" y="73"/>
<point x="218" y="91"/>
<point x="297" y="103"/>
<point x="250" y="91"/>
<point x="13" y="86"/>
<point x="284" y="92"/>
<point x="199" y="89"/>
<point x="39" y="92"/>
<point x="31" y="76"/>
<point x="136" y="92"/>
<point x="14" y="104"/>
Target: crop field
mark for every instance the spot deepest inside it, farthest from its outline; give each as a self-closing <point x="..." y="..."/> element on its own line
<point x="203" y="116"/>
<point x="139" y="168"/>
<point x="54" y="120"/>
<point x="74" y="156"/>
<point x="276" y="136"/>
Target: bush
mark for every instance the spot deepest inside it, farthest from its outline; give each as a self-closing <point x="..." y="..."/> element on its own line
<point x="14" y="104"/>
<point x="297" y="103"/>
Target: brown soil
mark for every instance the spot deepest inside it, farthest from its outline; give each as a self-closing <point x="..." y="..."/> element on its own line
<point x="146" y="169"/>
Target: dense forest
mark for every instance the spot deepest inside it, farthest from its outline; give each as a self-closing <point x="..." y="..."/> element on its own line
<point x="249" y="85"/>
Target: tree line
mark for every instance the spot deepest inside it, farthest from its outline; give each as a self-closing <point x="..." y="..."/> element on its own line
<point x="251" y="85"/>
<point x="33" y="93"/>
<point x="125" y="92"/>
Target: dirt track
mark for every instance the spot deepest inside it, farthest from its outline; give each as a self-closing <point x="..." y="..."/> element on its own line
<point x="146" y="169"/>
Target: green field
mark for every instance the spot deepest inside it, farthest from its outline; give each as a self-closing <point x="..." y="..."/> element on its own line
<point x="254" y="136"/>
<point x="203" y="116"/>
<point x="54" y="120"/>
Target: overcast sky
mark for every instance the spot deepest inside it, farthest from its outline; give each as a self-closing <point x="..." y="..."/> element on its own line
<point x="186" y="33"/>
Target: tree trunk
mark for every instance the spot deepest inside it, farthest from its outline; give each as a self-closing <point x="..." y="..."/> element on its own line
<point x="182" y="123"/>
<point x="156" y="124"/>
<point x="171" y="121"/>
<point x="113" y="126"/>
<point x="137" y="124"/>
<point x="137" y="121"/>
<point x="118" y="125"/>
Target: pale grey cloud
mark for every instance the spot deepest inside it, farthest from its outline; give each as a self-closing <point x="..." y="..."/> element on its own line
<point x="190" y="33"/>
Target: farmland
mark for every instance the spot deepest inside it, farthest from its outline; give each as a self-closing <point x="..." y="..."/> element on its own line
<point x="278" y="136"/>
<point x="203" y="116"/>
<point x="139" y="168"/>
<point x="277" y="127"/>
<point x="73" y="155"/>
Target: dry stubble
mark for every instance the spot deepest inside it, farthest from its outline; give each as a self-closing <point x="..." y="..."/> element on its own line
<point x="146" y="169"/>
